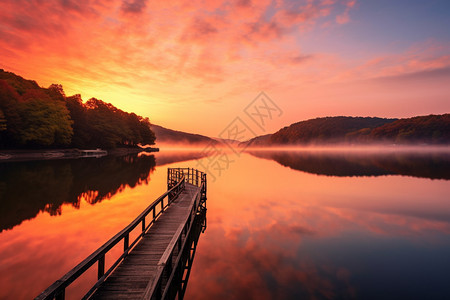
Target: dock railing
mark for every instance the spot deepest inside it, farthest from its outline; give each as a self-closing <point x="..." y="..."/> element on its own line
<point x="176" y="182"/>
<point x="173" y="262"/>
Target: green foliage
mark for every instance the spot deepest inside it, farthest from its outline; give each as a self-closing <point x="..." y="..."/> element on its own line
<point x="106" y="126"/>
<point x="56" y="92"/>
<point x="2" y="121"/>
<point x="37" y="117"/>
<point x="9" y="100"/>
<point x="81" y="134"/>
<point x="47" y="121"/>
<point x="147" y="135"/>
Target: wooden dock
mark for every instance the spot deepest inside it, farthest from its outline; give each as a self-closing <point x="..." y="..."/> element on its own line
<point x="156" y="264"/>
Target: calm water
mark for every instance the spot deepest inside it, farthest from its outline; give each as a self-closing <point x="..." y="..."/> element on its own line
<point x="285" y="225"/>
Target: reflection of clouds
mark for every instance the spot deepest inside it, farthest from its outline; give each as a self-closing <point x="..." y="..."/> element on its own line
<point x="257" y="266"/>
<point x="22" y="258"/>
<point x="264" y="262"/>
<point x="295" y="236"/>
<point x="391" y="224"/>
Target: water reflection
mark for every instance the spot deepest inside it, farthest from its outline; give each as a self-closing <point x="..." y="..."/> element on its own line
<point x="173" y="156"/>
<point x="44" y="247"/>
<point x="273" y="232"/>
<point x="178" y="286"/>
<point x="29" y="187"/>
<point x="432" y="165"/>
<point x="26" y="188"/>
<point x="280" y="234"/>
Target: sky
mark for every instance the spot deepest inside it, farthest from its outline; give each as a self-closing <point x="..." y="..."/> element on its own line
<point x="199" y="65"/>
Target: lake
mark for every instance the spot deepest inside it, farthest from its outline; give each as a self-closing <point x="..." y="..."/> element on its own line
<point x="280" y="225"/>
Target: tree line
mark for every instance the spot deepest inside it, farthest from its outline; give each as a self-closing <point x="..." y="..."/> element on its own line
<point x="431" y="129"/>
<point x="36" y="117"/>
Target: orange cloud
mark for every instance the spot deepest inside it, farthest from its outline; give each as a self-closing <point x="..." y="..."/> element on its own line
<point x="162" y="58"/>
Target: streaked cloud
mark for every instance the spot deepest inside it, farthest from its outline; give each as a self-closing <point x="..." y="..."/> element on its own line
<point x="147" y="56"/>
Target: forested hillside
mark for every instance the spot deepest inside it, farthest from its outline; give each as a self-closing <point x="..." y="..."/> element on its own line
<point x="432" y="129"/>
<point x="35" y="117"/>
<point x="174" y="137"/>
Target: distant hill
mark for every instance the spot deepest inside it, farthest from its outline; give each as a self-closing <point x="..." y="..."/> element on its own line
<point x="174" y="137"/>
<point x="262" y="140"/>
<point x="429" y="129"/>
<point x="432" y="129"/>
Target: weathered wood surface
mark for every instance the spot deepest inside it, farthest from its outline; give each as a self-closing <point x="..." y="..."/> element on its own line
<point x="138" y="269"/>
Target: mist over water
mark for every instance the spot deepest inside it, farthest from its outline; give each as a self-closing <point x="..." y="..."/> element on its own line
<point x="320" y="223"/>
<point x="336" y="147"/>
<point x="363" y="148"/>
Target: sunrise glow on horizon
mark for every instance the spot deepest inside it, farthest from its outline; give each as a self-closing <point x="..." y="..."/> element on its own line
<point x="195" y="65"/>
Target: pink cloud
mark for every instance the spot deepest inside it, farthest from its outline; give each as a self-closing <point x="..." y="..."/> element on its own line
<point x="157" y="36"/>
<point x="419" y="58"/>
<point x="343" y="18"/>
<point x="351" y="3"/>
<point x="162" y="51"/>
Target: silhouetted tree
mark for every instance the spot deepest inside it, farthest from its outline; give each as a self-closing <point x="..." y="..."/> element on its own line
<point x="2" y="121"/>
<point x="56" y="92"/>
<point x="148" y="136"/>
<point x="9" y="101"/>
<point x="47" y="121"/>
<point x="81" y="131"/>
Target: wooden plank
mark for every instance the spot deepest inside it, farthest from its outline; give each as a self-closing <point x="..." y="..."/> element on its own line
<point x="59" y="285"/>
<point x="139" y="269"/>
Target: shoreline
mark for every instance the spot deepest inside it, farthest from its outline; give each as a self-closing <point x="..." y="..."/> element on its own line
<point x="72" y="153"/>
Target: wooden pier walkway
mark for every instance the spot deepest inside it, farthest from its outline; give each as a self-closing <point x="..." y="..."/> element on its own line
<point x="156" y="264"/>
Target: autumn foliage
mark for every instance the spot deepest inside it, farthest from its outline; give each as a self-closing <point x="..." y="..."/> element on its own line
<point x="35" y="117"/>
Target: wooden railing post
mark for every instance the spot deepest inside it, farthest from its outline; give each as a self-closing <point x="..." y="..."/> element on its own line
<point x="61" y="295"/>
<point x="169" y="265"/>
<point x="101" y="266"/>
<point x="126" y="242"/>
<point x="176" y="181"/>
<point x="169" y="173"/>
